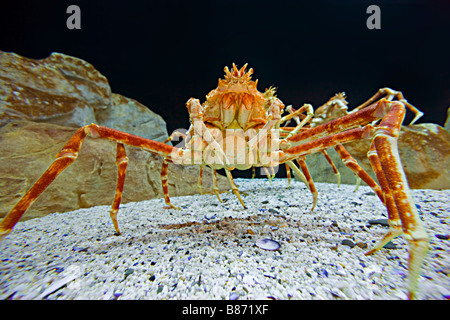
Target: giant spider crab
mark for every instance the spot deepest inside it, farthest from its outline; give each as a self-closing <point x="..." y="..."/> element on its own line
<point x="238" y="127"/>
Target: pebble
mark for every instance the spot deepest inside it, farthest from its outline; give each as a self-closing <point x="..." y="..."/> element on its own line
<point x="79" y="249"/>
<point x="233" y="296"/>
<point x="390" y="245"/>
<point x="268" y="244"/>
<point x="383" y="222"/>
<point x="128" y="272"/>
<point x="348" y="242"/>
<point x="362" y="245"/>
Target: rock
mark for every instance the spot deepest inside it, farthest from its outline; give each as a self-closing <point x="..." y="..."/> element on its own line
<point x="362" y="245"/>
<point x="424" y="150"/>
<point x="383" y="222"/>
<point x="59" y="89"/>
<point x="348" y="242"/>
<point x="28" y="148"/>
<point x="129" y="115"/>
<point x="68" y="91"/>
<point x="233" y="296"/>
<point x="128" y="271"/>
<point x="390" y="245"/>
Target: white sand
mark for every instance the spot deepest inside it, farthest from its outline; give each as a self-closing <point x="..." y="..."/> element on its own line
<point x="76" y="255"/>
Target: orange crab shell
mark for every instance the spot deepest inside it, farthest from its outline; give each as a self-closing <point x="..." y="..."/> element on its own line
<point x="236" y="103"/>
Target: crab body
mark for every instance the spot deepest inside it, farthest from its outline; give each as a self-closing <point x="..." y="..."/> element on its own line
<point x="240" y="119"/>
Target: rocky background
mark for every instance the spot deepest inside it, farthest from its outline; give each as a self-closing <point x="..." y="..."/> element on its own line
<point x="42" y="103"/>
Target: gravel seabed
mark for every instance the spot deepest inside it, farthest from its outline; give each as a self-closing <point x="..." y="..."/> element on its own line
<point x="207" y="249"/>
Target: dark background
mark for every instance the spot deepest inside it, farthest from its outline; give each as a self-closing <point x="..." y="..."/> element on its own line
<point x="161" y="53"/>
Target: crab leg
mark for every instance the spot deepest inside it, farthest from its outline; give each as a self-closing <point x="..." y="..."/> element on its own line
<point x="335" y="170"/>
<point x="394" y="221"/>
<point x="175" y="135"/>
<point x="68" y="154"/>
<point x="297" y="172"/>
<point x="389" y="94"/>
<point x="309" y="115"/>
<point x="199" y="183"/>
<point x="325" y="143"/>
<point x="301" y="162"/>
<point x="385" y="143"/>
<point x="351" y="163"/>
<point x="269" y="177"/>
<point x="234" y="188"/>
<point x="216" y="187"/>
<point x="121" y="163"/>
<point x="353" y="120"/>
<point x="288" y="174"/>
<point x="165" y="186"/>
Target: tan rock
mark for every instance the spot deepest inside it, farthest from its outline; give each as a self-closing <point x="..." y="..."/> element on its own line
<point x="59" y="89"/>
<point x="69" y="91"/>
<point x="130" y="116"/>
<point x="28" y="148"/>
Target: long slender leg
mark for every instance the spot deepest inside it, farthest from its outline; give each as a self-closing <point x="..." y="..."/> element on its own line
<point x="361" y="117"/>
<point x="335" y="170"/>
<point x="67" y="155"/>
<point x="64" y="158"/>
<point x="175" y="135"/>
<point x="297" y="114"/>
<point x="121" y="163"/>
<point x="301" y="162"/>
<point x="325" y="143"/>
<point x="164" y="176"/>
<point x="351" y="163"/>
<point x="309" y="114"/>
<point x="216" y="187"/>
<point x="288" y="174"/>
<point x="234" y="188"/>
<point x="272" y="173"/>
<point x="297" y="172"/>
<point x="199" y="183"/>
<point x="385" y="142"/>
<point x="395" y="224"/>
<point x="266" y="171"/>
<point x="390" y="94"/>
